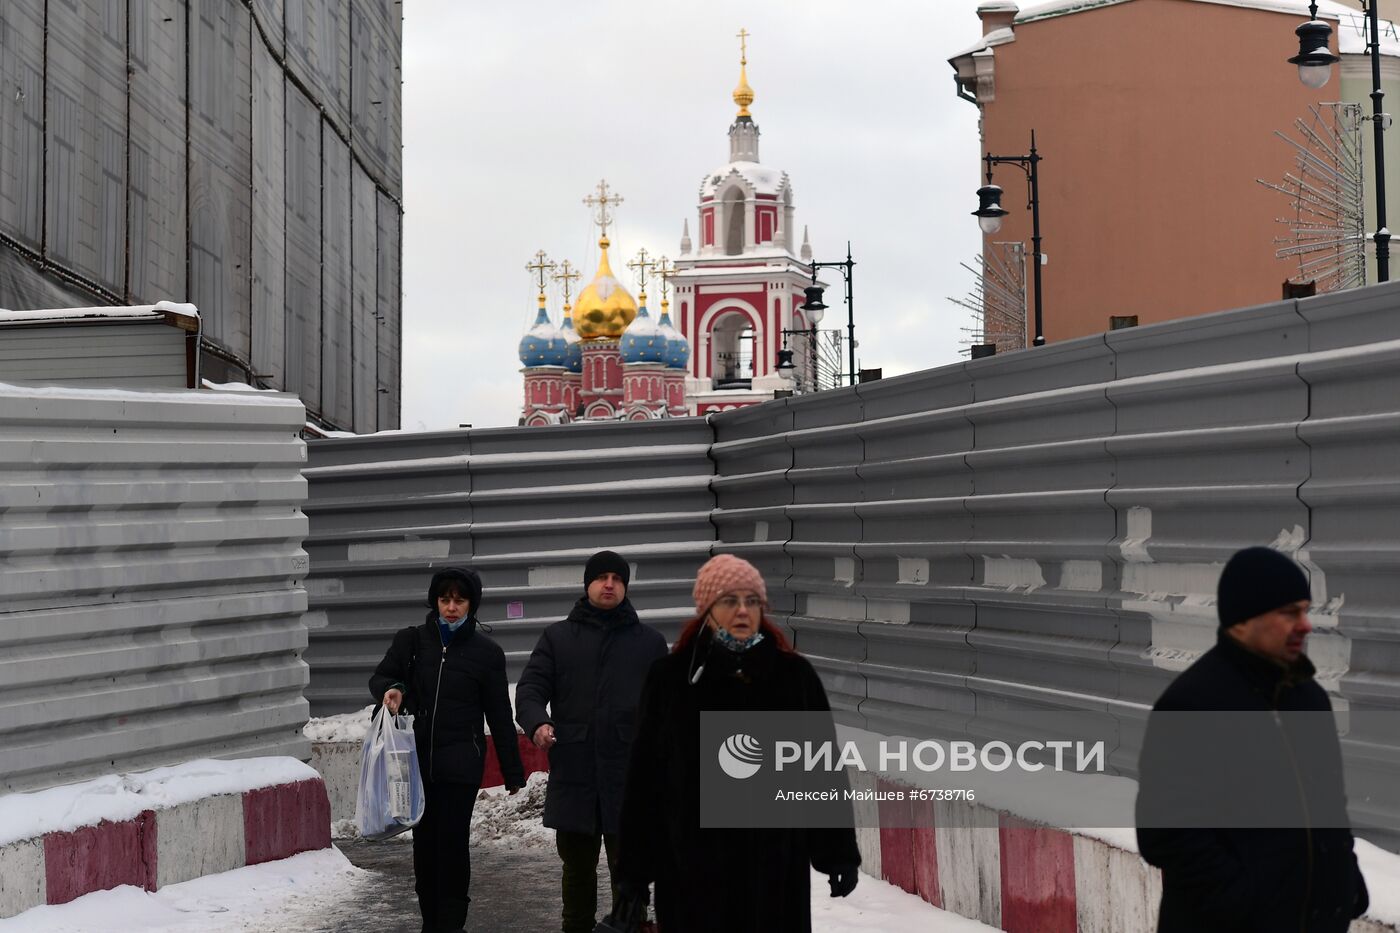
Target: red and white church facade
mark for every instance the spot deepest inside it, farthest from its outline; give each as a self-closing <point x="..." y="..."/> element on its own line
<point x="741" y="285"/>
<point x="735" y="293"/>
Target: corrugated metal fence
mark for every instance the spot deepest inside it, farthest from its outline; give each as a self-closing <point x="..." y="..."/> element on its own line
<point x="525" y="507"/>
<point x="150" y="567"/>
<point x="1039" y="531"/>
<point x="1044" y="530"/>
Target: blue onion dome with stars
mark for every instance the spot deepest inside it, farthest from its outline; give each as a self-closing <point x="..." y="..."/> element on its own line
<point x="642" y="341"/>
<point x="677" y="347"/>
<point x="543" y="344"/>
<point x="573" y="352"/>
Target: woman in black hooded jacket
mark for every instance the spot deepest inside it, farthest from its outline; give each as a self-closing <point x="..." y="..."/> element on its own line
<point x="449" y="676"/>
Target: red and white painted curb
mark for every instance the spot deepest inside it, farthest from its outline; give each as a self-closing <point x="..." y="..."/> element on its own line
<point x="166" y="846"/>
<point x="1005" y="872"/>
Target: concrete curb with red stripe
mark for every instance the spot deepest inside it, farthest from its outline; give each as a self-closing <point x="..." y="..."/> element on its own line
<point x="1005" y="872"/>
<point x="166" y="846"/>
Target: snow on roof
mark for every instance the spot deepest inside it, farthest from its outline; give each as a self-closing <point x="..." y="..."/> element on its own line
<point x="762" y="180"/>
<point x="643" y="325"/>
<point x="199" y="396"/>
<point x="995" y="37"/>
<point x="187" y="314"/>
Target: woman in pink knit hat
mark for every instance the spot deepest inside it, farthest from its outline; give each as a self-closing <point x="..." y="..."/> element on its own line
<point x="730" y="656"/>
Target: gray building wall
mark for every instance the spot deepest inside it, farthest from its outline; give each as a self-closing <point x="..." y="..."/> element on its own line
<point x="242" y="156"/>
<point x="150" y="594"/>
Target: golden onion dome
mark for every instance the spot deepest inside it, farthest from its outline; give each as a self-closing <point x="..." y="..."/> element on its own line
<point x="743" y="94"/>
<point x="604" y="308"/>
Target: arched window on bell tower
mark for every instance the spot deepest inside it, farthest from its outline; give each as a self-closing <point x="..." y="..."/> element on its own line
<point x="733" y="222"/>
<point x="732" y="346"/>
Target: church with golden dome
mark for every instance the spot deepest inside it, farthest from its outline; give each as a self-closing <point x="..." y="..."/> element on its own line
<point x="738" y="295"/>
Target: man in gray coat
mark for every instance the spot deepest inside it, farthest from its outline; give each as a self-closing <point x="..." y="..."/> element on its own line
<point x="588" y="670"/>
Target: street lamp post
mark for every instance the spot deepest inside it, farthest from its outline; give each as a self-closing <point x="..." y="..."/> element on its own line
<point x="848" y="273"/>
<point x="815" y="310"/>
<point x="1314" y="61"/>
<point x="990" y="212"/>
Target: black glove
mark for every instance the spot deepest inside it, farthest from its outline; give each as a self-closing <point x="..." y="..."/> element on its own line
<point x="843" y="880"/>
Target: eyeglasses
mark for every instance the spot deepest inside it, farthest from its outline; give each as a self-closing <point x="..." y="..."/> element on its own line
<point x="731" y="603"/>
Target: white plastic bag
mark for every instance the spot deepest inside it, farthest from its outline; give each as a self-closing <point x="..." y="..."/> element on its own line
<point x="390" y="799"/>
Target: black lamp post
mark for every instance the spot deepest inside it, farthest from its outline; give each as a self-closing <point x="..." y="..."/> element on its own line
<point x="990" y="212"/>
<point x="848" y="273"/>
<point x="1314" y="61"/>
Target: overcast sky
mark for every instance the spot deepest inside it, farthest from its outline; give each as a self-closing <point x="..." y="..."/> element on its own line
<point x="513" y="113"/>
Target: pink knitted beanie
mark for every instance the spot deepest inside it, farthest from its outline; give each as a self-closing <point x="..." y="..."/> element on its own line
<point x="725" y="573"/>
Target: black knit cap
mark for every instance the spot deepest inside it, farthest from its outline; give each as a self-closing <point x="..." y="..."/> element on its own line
<point x="606" y="562"/>
<point x="1255" y="581"/>
<point x="464" y="580"/>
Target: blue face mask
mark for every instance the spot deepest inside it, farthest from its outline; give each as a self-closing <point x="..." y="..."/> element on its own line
<point x="451" y="626"/>
<point x="736" y="645"/>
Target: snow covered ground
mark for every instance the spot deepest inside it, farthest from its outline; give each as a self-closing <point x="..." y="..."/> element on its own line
<point x="309" y="891"/>
<point x="316" y="890"/>
<point x="298" y="893"/>
<point x="305" y="891"/>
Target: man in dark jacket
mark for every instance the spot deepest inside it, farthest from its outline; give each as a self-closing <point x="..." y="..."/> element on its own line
<point x="1275" y="755"/>
<point x="589" y="671"/>
<point x="449" y="676"/>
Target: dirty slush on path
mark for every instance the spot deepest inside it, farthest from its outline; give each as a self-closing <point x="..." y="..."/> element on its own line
<point x="515" y="872"/>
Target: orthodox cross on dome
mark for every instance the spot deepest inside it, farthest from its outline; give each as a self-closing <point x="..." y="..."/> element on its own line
<point x="642" y="266"/>
<point x="743" y="94"/>
<point x="541" y="267"/>
<point x="566" y="276"/>
<point x="665" y="269"/>
<point x="603" y="201"/>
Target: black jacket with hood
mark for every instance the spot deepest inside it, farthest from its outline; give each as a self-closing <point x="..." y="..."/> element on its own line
<point x="450" y="688"/>
<point x="589" y="669"/>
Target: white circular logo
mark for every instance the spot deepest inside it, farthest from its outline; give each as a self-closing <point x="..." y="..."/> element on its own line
<point x="740" y="756"/>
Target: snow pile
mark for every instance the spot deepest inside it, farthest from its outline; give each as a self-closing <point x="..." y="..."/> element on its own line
<point x="118" y="797"/>
<point x="295" y="893"/>
<point x="1382" y="872"/>
<point x="232" y="387"/>
<point x="513" y="820"/>
<point x="342" y="727"/>
<point x="499" y="818"/>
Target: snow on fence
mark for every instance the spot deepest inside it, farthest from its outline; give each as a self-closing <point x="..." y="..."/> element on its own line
<point x="150" y="593"/>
